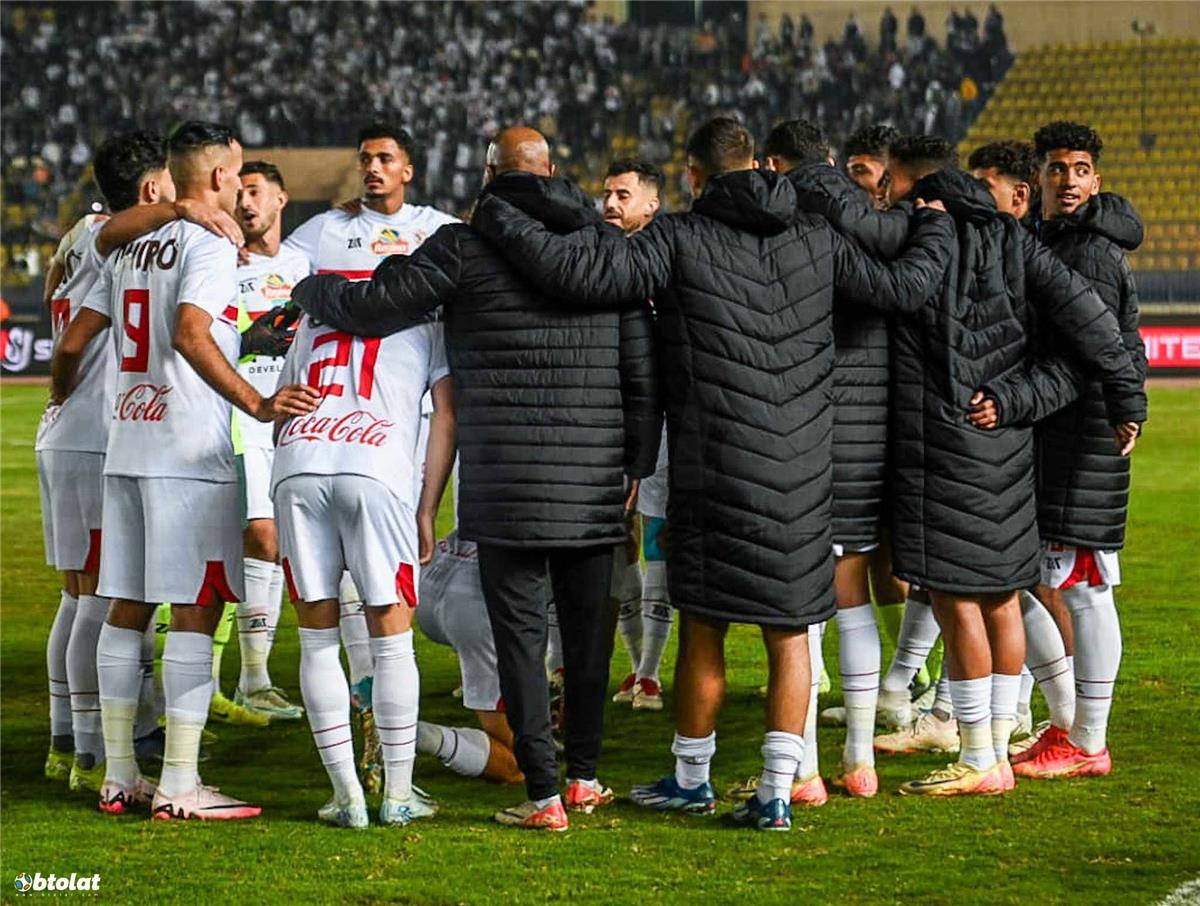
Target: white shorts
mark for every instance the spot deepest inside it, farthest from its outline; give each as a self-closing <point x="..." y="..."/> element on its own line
<point x="840" y="550"/>
<point x="453" y="613"/>
<point x="256" y="479"/>
<point x="330" y="524"/>
<point x="176" y="540"/>
<point x="72" y="490"/>
<point x="1064" y="566"/>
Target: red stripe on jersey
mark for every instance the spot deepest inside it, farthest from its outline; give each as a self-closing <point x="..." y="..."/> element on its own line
<point x="215" y="589"/>
<point x="348" y="274"/>
<point x="230" y="313"/>
<point x="405" y="586"/>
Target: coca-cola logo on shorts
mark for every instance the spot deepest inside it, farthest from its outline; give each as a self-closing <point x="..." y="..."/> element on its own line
<point x="357" y="427"/>
<point x="143" y="403"/>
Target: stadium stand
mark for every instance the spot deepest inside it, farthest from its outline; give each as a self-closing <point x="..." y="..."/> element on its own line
<point x="87" y="70"/>
<point x="1102" y="84"/>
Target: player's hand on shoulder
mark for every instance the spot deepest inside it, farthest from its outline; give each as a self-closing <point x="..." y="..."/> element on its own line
<point x="294" y="399"/>
<point x="934" y="205"/>
<point x="211" y="218"/>
<point x="272" y="332"/>
<point x="983" y="412"/>
<point x="351" y="206"/>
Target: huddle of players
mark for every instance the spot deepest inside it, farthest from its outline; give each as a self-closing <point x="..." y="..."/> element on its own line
<point x="174" y="365"/>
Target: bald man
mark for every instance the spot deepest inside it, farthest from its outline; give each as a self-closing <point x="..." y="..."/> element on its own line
<point x="556" y="409"/>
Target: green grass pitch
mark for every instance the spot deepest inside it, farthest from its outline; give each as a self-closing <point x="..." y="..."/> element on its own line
<point x="1128" y="838"/>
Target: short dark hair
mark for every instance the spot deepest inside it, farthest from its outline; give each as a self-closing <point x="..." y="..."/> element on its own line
<point x="122" y="161"/>
<point x="265" y="169"/>
<point x="1012" y="158"/>
<point x="871" y="141"/>
<point x="646" y="171"/>
<point x="720" y="144"/>
<point x="401" y="136"/>
<point x="798" y="141"/>
<point x="1065" y="134"/>
<point x="192" y="135"/>
<point x="923" y="154"/>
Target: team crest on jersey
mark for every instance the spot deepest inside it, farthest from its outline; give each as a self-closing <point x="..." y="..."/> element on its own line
<point x="389" y="242"/>
<point x="276" y="288"/>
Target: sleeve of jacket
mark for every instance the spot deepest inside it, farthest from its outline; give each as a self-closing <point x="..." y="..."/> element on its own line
<point x="639" y="392"/>
<point x="594" y="266"/>
<point x="902" y="285"/>
<point x="1027" y="396"/>
<point x="1130" y="320"/>
<point x="1068" y="302"/>
<point x="404" y="290"/>
<point x="882" y="233"/>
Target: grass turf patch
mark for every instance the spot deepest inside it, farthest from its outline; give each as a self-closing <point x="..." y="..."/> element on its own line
<point x="1131" y="837"/>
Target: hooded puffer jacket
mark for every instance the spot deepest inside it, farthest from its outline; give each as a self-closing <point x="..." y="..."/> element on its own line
<point x="860" y="356"/>
<point x="743" y="285"/>
<point x="963" y="513"/>
<point x="555" y="407"/>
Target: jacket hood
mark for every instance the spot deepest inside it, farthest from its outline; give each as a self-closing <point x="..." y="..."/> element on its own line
<point x="1107" y="214"/>
<point x="757" y="201"/>
<point x="553" y="200"/>
<point x="965" y="197"/>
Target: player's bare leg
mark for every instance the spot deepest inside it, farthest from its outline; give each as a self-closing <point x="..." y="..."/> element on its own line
<point x="699" y="690"/>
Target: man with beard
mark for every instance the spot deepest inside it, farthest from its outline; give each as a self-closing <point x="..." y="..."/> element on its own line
<point x="556" y="411"/>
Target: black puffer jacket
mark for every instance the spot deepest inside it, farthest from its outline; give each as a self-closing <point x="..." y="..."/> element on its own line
<point x="860" y="360"/>
<point x="555" y="406"/>
<point x="1082" y="481"/>
<point x="963" y="509"/>
<point x="743" y="286"/>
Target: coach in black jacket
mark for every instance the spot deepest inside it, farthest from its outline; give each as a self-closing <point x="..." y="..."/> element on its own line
<point x="743" y="287"/>
<point x="964" y="513"/>
<point x="556" y="409"/>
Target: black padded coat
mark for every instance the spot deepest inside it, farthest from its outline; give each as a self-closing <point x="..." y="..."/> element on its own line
<point x="555" y="407"/>
<point x="860" y="354"/>
<point x="743" y="287"/>
<point x="963" y="511"/>
<point x="1082" y="481"/>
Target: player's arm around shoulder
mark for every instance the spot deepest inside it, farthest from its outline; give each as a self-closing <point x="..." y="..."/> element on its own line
<point x="207" y="293"/>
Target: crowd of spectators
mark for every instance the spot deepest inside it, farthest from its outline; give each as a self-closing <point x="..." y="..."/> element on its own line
<point x="302" y="74"/>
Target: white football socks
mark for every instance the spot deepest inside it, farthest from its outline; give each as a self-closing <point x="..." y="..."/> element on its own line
<point x="782" y="753"/>
<point x="353" y="626"/>
<point x="254" y="625"/>
<point x="918" y="634"/>
<point x="554" y="648"/>
<point x="464" y="750"/>
<point x="56" y="668"/>
<point x="627" y="591"/>
<point x="693" y="759"/>
<point x="1097" y="659"/>
<point x="327" y="702"/>
<point x="149" y="701"/>
<point x="656" y="617"/>
<point x="90" y="614"/>
<point x="220" y="638"/>
<point x="1025" y="696"/>
<point x="858" y="659"/>
<point x="1047" y="660"/>
<point x="1006" y="689"/>
<point x="118" y="668"/>
<point x="188" y="687"/>
<point x="943" y="706"/>
<point x="396" y="693"/>
<point x="973" y="707"/>
<point x="810" y="763"/>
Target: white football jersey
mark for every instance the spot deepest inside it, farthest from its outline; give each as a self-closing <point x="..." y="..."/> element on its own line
<point x="264" y="283"/>
<point x="353" y="245"/>
<point x="167" y="422"/>
<point x="81" y="423"/>
<point x="369" y="418"/>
